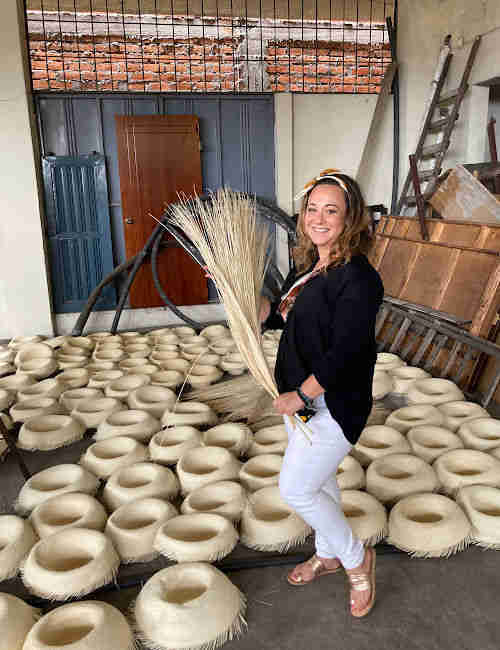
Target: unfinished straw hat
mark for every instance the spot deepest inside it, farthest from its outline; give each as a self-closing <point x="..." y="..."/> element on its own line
<point x="458" y="413"/>
<point x="261" y="471"/>
<point x="269" y="524"/>
<point x="69" y="564"/>
<point x="121" y="387"/>
<point x="193" y="606"/>
<point x="86" y="625"/>
<point x="382" y="384"/>
<point x="72" y="397"/>
<point x="17" y="537"/>
<point x="16" y="342"/>
<point x="106" y="456"/>
<point x="366" y="516"/>
<point x="133" y="526"/>
<point x="44" y="432"/>
<point x="102" y="378"/>
<point x="17" y="382"/>
<point x="387" y="361"/>
<point x="67" y="361"/>
<point x="195" y="414"/>
<point x="269" y="440"/>
<point x="153" y="399"/>
<point x="233" y="436"/>
<point x="225" y="498"/>
<point x="167" y="378"/>
<point x="33" y="351"/>
<point x="223" y="346"/>
<point x="429" y="442"/>
<point x="91" y="412"/>
<point x="433" y="391"/>
<point x="482" y="434"/>
<point x="378" y="441"/>
<point x="95" y="366"/>
<point x="350" y="475"/>
<point x="394" y="477"/>
<point x="133" y="423"/>
<point x="7" y="398"/>
<point x="16" y="620"/>
<point x="481" y="504"/>
<point x="139" y="481"/>
<point x="39" y="368"/>
<point x="52" y="482"/>
<point x="72" y="510"/>
<point x="178" y="364"/>
<point x="167" y="446"/>
<point x="203" y="465"/>
<point x="461" y="467"/>
<point x="214" y="332"/>
<point x="408" y="417"/>
<point x="45" y="388"/>
<point x="29" y="408"/>
<point x="405" y="376"/>
<point x="197" y="537"/>
<point x="73" y="378"/>
<point x="429" y="525"/>
<point x="203" y="375"/>
<point x="232" y="363"/>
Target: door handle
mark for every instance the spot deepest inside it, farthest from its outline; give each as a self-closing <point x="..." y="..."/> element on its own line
<point x="129" y="220"/>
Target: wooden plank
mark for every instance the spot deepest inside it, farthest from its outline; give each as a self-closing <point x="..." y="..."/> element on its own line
<point x="424" y="286"/>
<point x="394" y="266"/>
<point x="459" y="234"/>
<point x="489" y="305"/>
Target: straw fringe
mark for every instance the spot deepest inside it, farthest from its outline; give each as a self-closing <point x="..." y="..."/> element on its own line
<point x="278" y="547"/>
<point x="444" y="553"/>
<point x="492" y="546"/>
<point x="213" y="557"/>
<point x="377" y="537"/>
<point x="65" y="443"/>
<point x="25" y="512"/>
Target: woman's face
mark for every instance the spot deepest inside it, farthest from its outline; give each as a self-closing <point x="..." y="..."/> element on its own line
<point x="324" y="218"/>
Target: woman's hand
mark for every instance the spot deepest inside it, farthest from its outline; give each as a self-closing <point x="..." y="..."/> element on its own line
<point x="207" y="274"/>
<point x="288" y="403"/>
<point x="265" y="309"/>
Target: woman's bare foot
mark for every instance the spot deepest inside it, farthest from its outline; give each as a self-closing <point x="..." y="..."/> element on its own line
<point x="362" y="580"/>
<point x="313" y="568"/>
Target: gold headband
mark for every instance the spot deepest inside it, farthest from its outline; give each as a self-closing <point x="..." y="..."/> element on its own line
<point x="327" y="173"/>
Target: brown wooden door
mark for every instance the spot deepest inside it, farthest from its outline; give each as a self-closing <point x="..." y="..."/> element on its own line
<point x="159" y="156"/>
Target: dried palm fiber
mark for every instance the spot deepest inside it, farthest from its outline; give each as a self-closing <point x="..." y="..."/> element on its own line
<point x="178" y="364"/>
<point x="269" y="524"/>
<point x="44" y="388"/>
<point x="183" y="331"/>
<point x="17" y="538"/>
<point x="6" y="368"/>
<point x="72" y="397"/>
<point x="433" y="391"/>
<point x="261" y="471"/>
<point x="460" y="412"/>
<point x="233" y="363"/>
<point x="461" y="467"/>
<point x="481" y="504"/>
<point x="72" y="510"/>
<point x="52" y="482"/>
<point x="233" y="436"/>
<point x="428" y="442"/>
<point x="133" y="423"/>
<point x="39" y="368"/>
<point x="403" y="377"/>
<point x="167" y="378"/>
<point x="203" y="375"/>
<point x="105" y="457"/>
<point x="429" y="525"/>
<point x="86" y="625"/>
<point x="192" y="606"/>
<point x="382" y="384"/>
<point x="366" y="516"/>
<point x="16" y="620"/>
<point x="378" y="414"/>
<point x="7" y="398"/>
<point x="168" y="445"/>
<point x="73" y="378"/>
<point x="29" y="408"/>
<point x="482" y="433"/>
<point x="70" y="563"/>
<point x="224" y="230"/>
<point x="194" y="414"/>
<point x="17" y="382"/>
<point x="45" y="432"/>
<point x="18" y="342"/>
<point x="225" y="498"/>
<point x="133" y="526"/>
<point x="33" y="351"/>
<point x="196" y="537"/>
<point x="203" y="465"/>
<point x="114" y="354"/>
<point x="102" y="378"/>
<point x="408" y="417"/>
<point x="91" y="412"/>
<point x="121" y="387"/>
<point x="139" y="481"/>
<point x="94" y="366"/>
<point x="378" y="441"/>
<point x="387" y="361"/>
<point x="214" y="332"/>
<point x="153" y="399"/>
<point x="394" y="477"/>
<point x="269" y="440"/>
<point x="350" y="475"/>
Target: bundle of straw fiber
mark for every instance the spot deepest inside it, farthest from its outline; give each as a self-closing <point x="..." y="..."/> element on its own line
<point x="225" y="230"/>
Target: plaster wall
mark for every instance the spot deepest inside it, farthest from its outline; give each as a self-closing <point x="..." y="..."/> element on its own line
<point x="24" y="293"/>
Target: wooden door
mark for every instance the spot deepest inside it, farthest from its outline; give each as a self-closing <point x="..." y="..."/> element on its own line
<point x="159" y="156"/>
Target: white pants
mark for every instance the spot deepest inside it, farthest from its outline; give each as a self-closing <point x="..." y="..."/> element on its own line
<point x="308" y="484"/>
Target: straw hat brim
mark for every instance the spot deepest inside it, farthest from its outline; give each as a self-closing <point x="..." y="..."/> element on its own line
<point x="203" y="465"/>
<point x="378" y="441"/>
<point x="429" y="442"/>
<point x="46" y="432"/>
<point x="233" y="436"/>
<point x="225" y="498"/>
<point x="169" y="445"/>
<point x="394" y="477"/>
<point x="366" y="516"/>
<point x="407" y="417"/>
<point x="461" y="467"/>
<point x="433" y="391"/>
<point x="139" y="481"/>
<point x="460" y="412"/>
<point x="481" y="504"/>
<point x="72" y="510"/>
<point x="481" y="433"/>
<point x="261" y="471"/>
<point x="350" y="474"/>
<point x="16" y="620"/>
<point x="111" y="454"/>
<point x="17" y="538"/>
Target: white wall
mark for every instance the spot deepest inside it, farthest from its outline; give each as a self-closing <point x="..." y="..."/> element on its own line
<point x="24" y="293"/>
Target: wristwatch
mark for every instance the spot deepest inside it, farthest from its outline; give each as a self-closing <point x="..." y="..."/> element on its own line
<point x="308" y="401"/>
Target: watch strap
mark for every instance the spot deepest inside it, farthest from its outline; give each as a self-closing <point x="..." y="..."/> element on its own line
<point x="308" y="401"/>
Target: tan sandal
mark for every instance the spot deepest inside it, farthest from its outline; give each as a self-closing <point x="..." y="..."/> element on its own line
<point x="318" y="570"/>
<point x="364" y="581"/>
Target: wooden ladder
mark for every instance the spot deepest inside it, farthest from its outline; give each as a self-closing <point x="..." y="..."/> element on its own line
<point x="447" y="104"/>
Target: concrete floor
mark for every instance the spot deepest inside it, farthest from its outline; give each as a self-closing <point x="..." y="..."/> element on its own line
<point x="431" y="604"/>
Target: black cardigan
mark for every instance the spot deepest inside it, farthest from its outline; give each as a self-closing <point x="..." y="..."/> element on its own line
<point x="330" y="333"/>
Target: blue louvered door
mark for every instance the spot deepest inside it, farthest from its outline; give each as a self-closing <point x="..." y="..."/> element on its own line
<point x="79" y="232"/>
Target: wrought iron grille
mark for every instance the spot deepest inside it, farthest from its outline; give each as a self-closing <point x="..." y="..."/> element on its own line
<point x="313" y="46"/>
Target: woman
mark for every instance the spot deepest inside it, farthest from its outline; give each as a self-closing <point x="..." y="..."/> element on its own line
<point x="325" y="360"/>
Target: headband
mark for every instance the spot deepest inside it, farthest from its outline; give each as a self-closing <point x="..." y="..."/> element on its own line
<point x="327" y="173"/>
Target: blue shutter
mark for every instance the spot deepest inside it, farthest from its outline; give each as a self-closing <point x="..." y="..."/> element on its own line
<point x="76" y="201"/>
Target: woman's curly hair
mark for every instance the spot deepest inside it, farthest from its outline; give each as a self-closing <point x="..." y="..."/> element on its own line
<point x="355" y="238"/>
